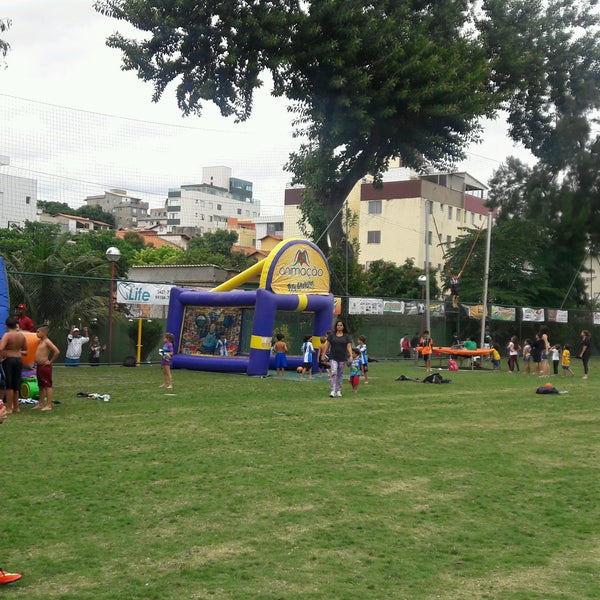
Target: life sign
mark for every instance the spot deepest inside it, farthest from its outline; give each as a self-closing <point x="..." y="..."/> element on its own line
<point x="142" y="293"/>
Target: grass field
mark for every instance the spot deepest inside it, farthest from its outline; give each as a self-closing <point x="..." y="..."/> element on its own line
<point x="237" y="487"/>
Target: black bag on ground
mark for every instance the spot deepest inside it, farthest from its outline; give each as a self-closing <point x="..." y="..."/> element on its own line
<point x="435" y="378"/>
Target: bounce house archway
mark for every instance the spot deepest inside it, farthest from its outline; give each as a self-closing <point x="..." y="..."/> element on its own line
<point x="293" y="277"/>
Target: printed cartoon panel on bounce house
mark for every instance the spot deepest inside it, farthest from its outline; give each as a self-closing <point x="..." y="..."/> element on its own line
<point x="293" y="277"/>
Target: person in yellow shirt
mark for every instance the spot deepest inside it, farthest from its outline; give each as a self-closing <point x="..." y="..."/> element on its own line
<point x="566" y="361"/>
<point x="496" y="357"/>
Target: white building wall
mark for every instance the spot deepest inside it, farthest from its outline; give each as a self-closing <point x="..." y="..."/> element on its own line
<point x="208" y="211"/>
<point x="217" y="176"/>
<point x="18" y="200"/>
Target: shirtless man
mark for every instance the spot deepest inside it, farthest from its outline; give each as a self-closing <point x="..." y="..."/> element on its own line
<point x="13" y="346"/>
<point x="45" y="356"/>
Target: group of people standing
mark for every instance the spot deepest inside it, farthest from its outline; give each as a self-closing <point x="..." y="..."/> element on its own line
<point x="541" y="352"/>
<point x="13" y="348"/>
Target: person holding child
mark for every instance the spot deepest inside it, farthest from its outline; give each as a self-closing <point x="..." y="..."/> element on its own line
<point x="166" y="355"/>
<point x="45" y="356"/>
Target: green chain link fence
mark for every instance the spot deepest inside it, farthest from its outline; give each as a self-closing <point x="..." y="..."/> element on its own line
<point x="62" y="301"/>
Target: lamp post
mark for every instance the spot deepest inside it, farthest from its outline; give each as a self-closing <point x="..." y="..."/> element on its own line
<point x="113" y="254"/>
<point x="422" y="282"/>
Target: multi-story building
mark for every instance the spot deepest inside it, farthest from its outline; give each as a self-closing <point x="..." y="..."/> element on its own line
<point x="392" y="222"/>
<point x="156" y="220"/>
<point x="206" y="206"/>
<point x="126" y="209"/>
<point x="18" y="199"/>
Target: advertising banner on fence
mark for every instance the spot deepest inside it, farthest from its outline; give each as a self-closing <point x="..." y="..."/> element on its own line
<point x="504" y="313"/>
<point x="143" y="293"/>
<point x="532" y="314"/>
<point x="474" y="311"/>
<point x="393" y="306"/>
<point x="557" y="316"/>
<point x="365" y="306"/>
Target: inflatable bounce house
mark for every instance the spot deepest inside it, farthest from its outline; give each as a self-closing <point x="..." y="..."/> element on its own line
<point x="293" y="277"/>
<point x="4" y="299"/>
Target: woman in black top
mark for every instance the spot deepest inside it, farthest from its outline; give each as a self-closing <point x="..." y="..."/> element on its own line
<point x="339" y="348"/>
<point x="584" y="353"/>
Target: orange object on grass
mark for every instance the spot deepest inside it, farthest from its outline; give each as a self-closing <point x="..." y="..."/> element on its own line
<point x="6" y="577"/>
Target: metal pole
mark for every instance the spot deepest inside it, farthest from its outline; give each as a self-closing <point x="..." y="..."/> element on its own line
<point x="110" y="311"/>
<point x="486" y="276"/>
<point x="428" y="205"/>
<point x="139" y="342"/>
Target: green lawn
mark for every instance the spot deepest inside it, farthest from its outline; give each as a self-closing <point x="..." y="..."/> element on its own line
<point x="237" y="487"/>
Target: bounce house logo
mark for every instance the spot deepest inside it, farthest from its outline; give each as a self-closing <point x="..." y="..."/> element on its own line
<point x="301" y="258"/>
<point x="300" y="271"/>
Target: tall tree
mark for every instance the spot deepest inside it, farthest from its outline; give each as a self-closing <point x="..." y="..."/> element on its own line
<point x="524" y="266"/>
<point x="60" y="290"/>
<point x="391" y="281"/>
<point x="369" y="81"/>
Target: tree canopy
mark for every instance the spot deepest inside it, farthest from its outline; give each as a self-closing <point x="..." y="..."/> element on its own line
<point x="372" y="81"/>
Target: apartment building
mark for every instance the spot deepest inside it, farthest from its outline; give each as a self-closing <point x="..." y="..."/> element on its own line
<point x="18" y="199"/>
<point x="126" y="208"/>
<point x="392" y="223"/>
<point x="208" y="205"/>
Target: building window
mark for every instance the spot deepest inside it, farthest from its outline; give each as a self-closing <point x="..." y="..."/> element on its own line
<point x="239" y="211"/>
<point x="27" y="199"/>
<point x="430" y="237"/>
<point x="218" y="207"/>
<point x="448" y="240"/>
<point x="374" y="207"/>
<point x="472" y="218"/>
<point x="458" y="214"/>
<point x="449" y="212"/>
<point x="373" y="237"/>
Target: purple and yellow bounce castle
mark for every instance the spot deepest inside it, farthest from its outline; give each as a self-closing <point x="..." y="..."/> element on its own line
<point x="293" y="277"/>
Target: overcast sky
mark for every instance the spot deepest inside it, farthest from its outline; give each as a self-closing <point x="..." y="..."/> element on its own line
<point x="70" y="118"/>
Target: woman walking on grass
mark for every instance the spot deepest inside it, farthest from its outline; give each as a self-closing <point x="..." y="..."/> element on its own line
<point x="339" y="349"/>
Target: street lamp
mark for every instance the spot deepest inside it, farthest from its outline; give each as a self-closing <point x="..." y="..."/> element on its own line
<point x="113" y="254"/>
<point x="422" y="282"/>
